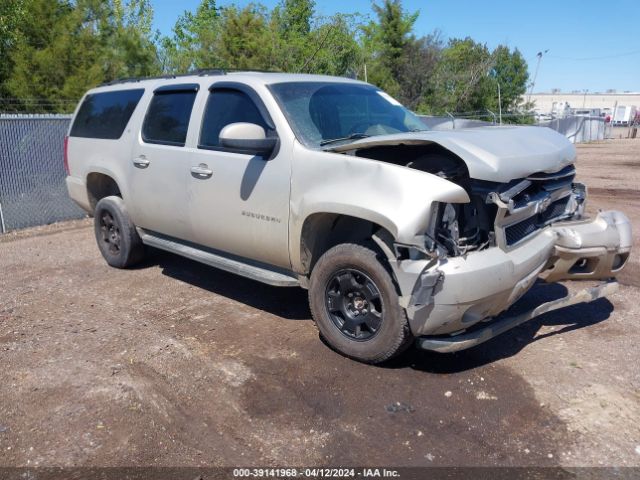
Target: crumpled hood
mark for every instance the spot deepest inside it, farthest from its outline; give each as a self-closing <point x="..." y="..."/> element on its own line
<point x="497" y="154"/>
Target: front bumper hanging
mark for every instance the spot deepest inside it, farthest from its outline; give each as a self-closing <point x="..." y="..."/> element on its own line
<point x="476" y="337"/>
<point x="447" y="301"/>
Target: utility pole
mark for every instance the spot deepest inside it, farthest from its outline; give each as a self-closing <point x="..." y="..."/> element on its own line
<point x="499" y="103"/>
<point x="584" y="98"/>
<point x="535" y="75"/>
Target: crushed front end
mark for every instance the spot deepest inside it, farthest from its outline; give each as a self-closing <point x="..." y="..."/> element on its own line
<point x="479" y="258"/>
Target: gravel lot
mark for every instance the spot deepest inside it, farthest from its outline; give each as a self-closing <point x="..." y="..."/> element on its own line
<point x="175" y="363"/>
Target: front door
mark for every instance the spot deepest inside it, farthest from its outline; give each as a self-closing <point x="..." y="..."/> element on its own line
<point x="242" y="207"/>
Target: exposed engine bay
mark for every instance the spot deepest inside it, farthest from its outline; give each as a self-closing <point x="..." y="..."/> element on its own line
<point x="520" y="219"/>
<point x="502" y="214"/>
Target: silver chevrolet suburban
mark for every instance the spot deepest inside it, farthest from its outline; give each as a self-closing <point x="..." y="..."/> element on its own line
<point x="399" y="233"/>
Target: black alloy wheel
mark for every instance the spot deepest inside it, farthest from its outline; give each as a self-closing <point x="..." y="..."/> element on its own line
<point x="116" y="235"/>
<point x="354" y="304"/>
<point x="110" y="232"/>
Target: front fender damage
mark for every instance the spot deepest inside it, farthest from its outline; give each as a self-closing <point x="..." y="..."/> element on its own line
<point x="418" y="280"/>
<point x="445" y="297"/>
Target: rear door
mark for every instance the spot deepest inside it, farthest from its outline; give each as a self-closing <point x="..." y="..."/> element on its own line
<point x="160" y="163"/>
<point x="242" y="208"/>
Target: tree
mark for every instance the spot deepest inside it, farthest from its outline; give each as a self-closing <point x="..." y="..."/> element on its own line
<point x="460" y="83"/>
<point x="194" y="43"/>
<point x="12" y="15"/>
<point x="293" y="23"/>
<point x="417" y="69"/>
<point x="54" y="58"/>
<point x="295" y="17"/>
<point x="124" y="36"/>
<point x="62" y="49"/>
<point x="289" y="38"/>
<point x="386" y="42"/>
<point x="55" y="50"/>
<point x="467" y="78"/>
<point x="334" y="48"/>
<point x="511" y="72"/>
<point x="246" y="39"/>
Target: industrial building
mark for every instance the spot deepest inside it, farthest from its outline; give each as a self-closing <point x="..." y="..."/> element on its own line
<point x="556" y="102"/>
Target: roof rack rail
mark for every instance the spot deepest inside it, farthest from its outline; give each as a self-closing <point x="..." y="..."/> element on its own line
<point x="201" y="72"/>
<point x="208" y="71"/>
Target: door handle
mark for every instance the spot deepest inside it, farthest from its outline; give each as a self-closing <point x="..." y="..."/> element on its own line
<point x="201" y="171"/>
<point x="141" y="162"/>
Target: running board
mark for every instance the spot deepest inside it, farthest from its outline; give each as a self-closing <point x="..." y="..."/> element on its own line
<point x="254" y="272"/>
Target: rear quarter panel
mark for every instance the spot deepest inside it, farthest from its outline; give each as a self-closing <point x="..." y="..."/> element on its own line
<point x="109" y="157"/>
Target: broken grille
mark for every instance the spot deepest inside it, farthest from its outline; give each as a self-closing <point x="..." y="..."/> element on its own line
<point x="518" y="231"/>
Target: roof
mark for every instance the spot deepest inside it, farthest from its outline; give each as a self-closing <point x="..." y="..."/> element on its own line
<point x="208" y="76"/>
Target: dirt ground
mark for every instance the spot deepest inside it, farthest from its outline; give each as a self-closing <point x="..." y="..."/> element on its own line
<point x="174" y="363"/>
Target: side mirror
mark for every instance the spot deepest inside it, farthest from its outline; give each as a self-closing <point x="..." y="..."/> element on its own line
<point x="247" y="137"/>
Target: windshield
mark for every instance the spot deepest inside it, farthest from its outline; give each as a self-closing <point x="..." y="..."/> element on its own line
<point x="323" y="113"/>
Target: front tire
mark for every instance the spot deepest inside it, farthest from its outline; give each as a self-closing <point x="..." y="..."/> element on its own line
<point x="116" y="234"/>
<point x="355" y="304"/>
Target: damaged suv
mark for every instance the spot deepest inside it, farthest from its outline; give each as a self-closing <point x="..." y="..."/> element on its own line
<point x="399" y="233"/>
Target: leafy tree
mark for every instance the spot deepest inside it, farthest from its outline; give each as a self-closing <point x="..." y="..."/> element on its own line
<point x="460" y="79"/>
<point x="420" y="61"/>
<point x="511" y="72"/>
<point x="467" y="78"/>
<point x="246" y="38"/>
<point x="63" y="49"/>
<point x="288" y="38"/>
<point x="125" y="35"/>
<point x="386" y="42"/>
<point x="295" y="17"/>
<point x="194" y="43"/>
<point x="333" y="48"/>
<point x="12" y="15"/>
<point x="55" y="50"/>
<point x="54" y="58"/>
<point x="293" y="21"/>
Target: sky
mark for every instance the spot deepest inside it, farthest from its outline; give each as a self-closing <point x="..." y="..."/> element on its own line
<point x="590" y="45"/>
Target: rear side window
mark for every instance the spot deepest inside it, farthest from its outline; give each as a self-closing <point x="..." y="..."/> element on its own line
<point x="105" y="115"/>
<point x="167" y="119"/>
<point x="226" y="106"/>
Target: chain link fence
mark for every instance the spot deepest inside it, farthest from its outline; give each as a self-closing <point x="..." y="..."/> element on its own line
<point x="32" y="186"/>
<point x="577" y="128"/>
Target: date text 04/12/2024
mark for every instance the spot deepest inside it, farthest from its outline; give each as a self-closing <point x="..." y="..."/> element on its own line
<point x="315" y="473"/>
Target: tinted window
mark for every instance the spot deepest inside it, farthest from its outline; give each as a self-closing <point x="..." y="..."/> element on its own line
<point x="167" y="119"/>
<point x="227" y="106"/>
<point x="105" y="115"/>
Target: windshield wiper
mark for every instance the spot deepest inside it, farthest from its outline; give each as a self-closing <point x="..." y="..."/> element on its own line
<point x="353" y="136"/>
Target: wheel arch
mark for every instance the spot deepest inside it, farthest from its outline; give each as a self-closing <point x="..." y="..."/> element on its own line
<point x="99" y="185"/>
<point x="321" y="231"/>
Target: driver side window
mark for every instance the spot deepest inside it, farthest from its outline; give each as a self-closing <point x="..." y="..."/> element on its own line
<point x="225" y="106"/>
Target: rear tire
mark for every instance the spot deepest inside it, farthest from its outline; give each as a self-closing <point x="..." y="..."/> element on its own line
<point x="116" y="234"/>
<point x="355" y="304"/>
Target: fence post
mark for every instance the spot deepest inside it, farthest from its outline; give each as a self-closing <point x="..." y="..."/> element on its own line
<point x="453" y="119"/>
<point x="4" y="230"/>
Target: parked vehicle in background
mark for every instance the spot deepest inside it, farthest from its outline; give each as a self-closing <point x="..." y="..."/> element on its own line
<point x="400" y="234"/>
<point x="624" y="115"/>
<point x="586" y="112"/>
<point x="543" y="117"/>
